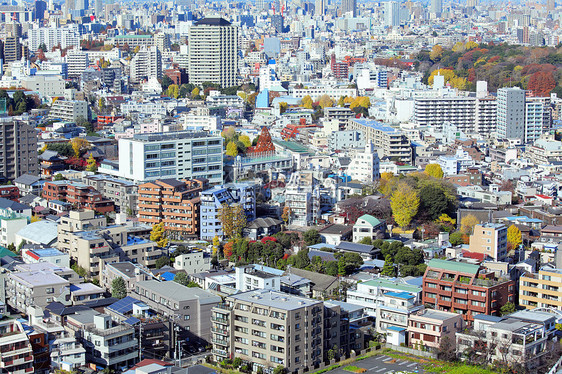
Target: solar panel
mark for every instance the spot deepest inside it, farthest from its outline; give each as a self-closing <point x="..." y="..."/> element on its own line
<point x="131" y="321"/>
<point x="124" y="305"/>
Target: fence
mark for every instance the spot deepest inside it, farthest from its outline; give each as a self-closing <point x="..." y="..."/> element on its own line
<point x="411" y="351"/>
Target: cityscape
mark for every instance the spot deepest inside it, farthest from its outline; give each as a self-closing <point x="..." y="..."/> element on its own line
<point x="280" y="187"/>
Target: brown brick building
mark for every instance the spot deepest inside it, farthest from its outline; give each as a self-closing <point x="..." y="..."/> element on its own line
<point x="464" y="288"/>
<point x="174" y="202"/>
<point x="78" y="194"/>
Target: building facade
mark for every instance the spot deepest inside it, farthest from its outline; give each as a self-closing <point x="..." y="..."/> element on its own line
<point x="18" y="149"/>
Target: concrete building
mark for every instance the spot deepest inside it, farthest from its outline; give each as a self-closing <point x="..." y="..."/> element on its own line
<point x="193" y="262"/>
<point x="174" y="202"/>
<point x="69" y="110"/>
<point x="77" y="61"/>
<point x="349" y="7"/>
<point x="124" y="194"/>
<point x="347" y="139"/>
<point x="130" y="272"/>
<point x="511" y="113"/>
<point x="78" y="194"/>
<point x="365" y="166"/>
<point x="392" y="315"/>
<point x="213" y="52"/>
<point x="545" y="151"/>
<point x="51" y="255"/>
<point x="180" y="155"/>
<point x="429" y="327"/>
<point x="253" y="278"/>
<point x="266" y="328"/>
<point x="46" y="85"/>
<point x="190" y="308"/>
<point x="370" y="227"/>
<point x="302" y="196"/>
<point x="146" y="64"/>
<point x="18" y="149"/>
<point x="389" y="142"/>
<point x="17" y="353"/>
<point x="391" y="13"/>
<point x="537" y="118"/>
<point x="466" y="288"/>
<point x="542" y="289"/>
<point x="489" y="239"/>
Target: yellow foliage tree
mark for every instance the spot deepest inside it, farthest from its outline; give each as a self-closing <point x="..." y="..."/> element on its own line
<point x="444" y="218"/>
<point x="470" y="45"/>
<point x="387" y="183"/>
<point x="157" y="235"/>
<point x="173" y="91"/>
<point x="136" y="50"/>
<point x="245" y="139"/>
<point x="458" y="47"/>
<point x="514" y="238"/>
<point x="79" y="146"/>
<point x="362" y="101"/>
<point x="325" y="101"/>
<point x="233" y="220"/>
<point x="468" y="222"/>
<point x="107" y="47"/>
<point x="436" y="53"/>
<point x="216" y="245"/>
<point x="231" y="149"/>
<point x="450" y="77"/>
<point x="404" y="203"/>
<point x="283" y="107"/>
<point x="195" y="93"/>
<point x="35" y="219"/>
<point x="434" y="170"/>
<point x="307" y="102"/>
<point x="92" y="165"/>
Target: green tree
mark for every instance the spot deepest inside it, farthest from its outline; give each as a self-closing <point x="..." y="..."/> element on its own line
<point x="434" y="170"/>
<point x="181" y="278"/>
<point x="162" y="261"/>
<point x="433" y="202"/>
<point x="514" y="238"/>
<point x="280" y="369"/>
<point x="507" y="308"/>
<point x="312" y="237"/>
<point x="456" y="238"/>
<point x="388" y="268"/>
<point x="332" y="268"/>
<point x="404" y="203"/>
<point x="118" y="288"/>
<point x="59" y="177"/>
<point x="166" y="81"/>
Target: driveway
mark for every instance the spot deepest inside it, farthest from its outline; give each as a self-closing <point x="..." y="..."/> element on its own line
<point x="382" y="364"/>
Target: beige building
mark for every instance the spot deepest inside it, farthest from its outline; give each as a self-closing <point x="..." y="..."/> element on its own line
<point x="266" y="328"/>
<point x="17" y="353"/>
<point x="489" y="239"/>
<point x="542" y="289"/>
<point x="428" y="327"/>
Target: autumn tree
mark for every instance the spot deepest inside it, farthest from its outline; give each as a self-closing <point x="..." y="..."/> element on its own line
<point x="233" y="220"/>
<point x="286" y="216"/>
<point x="404" y="203"/>
<point x="434" y="170"/>
<point x="173" y="91"/>
<point x="436" y="53"/>
<point x="514" y="237"/>
<point x="216" y="245"/>
<point x="307" y="102"/>
<point x="231" y="149"/>
<point x="92" y="165"/>
<point x="245" y="139"/>
<point x="325" y="101"/>
<point x="449" y="77"/>
<point x="195" y="93"/>
<point x="79" y="146"/>
<point x="283" y="107"/>
<point x="541" y="83"/>
<point x="157" y="235"/>
<point x="468" y="222"/>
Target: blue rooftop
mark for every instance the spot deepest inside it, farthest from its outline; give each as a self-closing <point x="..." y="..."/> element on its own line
<point x="167" y="276"/>
<point x="375" y="125"/>
<point x="132" y="240"/>
<point x="400" y="295"/>
<point x="47" y="252"/>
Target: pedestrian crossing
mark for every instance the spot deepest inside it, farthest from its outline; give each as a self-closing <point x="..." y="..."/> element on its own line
<point x="384" y="364"/>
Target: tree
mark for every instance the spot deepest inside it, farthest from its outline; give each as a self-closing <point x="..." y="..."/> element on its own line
<point x="216" y="245"/>
<point x="388" y="268"/>
<point x="280" y="369"/>
<point x="166" y="81"/>
<point x="456" y="238"/>
<point x="468" y="222"/>
<point x="233" y="220"/>
<point x="173" y="91"/>
<point x="434" y="170"/>
<point x="446" y="350"/>
<point x="92" y="165"/>
<point x="245" y="139"/>
<point x="325" y="101"/>
<point x="162" y="261"/>
<point x="59" y="177"/>
<point x="195" y="94"/>
<point x="433" y="201"/>
<point x="311" y="237"/>
<point x="541" y="83"/>
<point x="79" y="146"/>
<point x="157" y="235"/>
<point x="286" y="215"/>
<point x="283" y="107"/>
<point x="436" y="53"/>
<point x="507" y="308"/>
<point x="181" y="278"/>
<point x="118" y="288"/>
<point x="231" y="149"/>
<point x="514" y="237"/>
<point x="307" y="102"/>
<point x="404" y="203"/>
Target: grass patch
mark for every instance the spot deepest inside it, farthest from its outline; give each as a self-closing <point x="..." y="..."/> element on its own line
<point x="354" y="369"/>
<point x="456" y="368"/>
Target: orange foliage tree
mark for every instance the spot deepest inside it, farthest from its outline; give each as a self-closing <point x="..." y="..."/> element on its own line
<point x="541" y="83"/>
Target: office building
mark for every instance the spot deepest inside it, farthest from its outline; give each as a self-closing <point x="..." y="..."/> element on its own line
<point x="179" y="155"/>
<point x="146" y="64"/>
<point x="18" y="149"/>
<point x="391" y="14"/>
<point x="465" y="288"/>
<point x="349" y="7"/>
<point x="213" y="52"/>
<point x="489" y="239"/>
<point x="40" y="8"/>
<point x="511" y="113"/>
<point x="436" y="8"/>
<point x="173" y="202"/>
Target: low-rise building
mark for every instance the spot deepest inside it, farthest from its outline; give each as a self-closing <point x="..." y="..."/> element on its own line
<point x="78" y="194"/>
<point x="123" y="193"/>
<point x="427" y="328"/>
<point x="542" y="289"/>
<point x="392" y="315"/>
<point x="368" y="226"/>
<point x="69" y="110"/>
<point x="193" y="262"/>
<point x="489" y="239"/>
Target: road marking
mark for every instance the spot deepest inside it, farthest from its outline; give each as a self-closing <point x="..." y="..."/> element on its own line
<point x="412" y="364"/>
<point x="373" y="368"/>
<point x="381" y="369"/>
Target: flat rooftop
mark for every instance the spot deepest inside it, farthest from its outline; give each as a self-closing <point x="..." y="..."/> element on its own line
<point x="177" y="292"/>
<point x="161" y="136"/>
<point x="275" y="299"/>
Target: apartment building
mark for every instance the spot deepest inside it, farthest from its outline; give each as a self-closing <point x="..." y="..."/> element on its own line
<point x="68" y="110"/>
<point x="465" y="288"/>
<point x="545" y="151"/>
<point x="180" y="155"/>
<point x="146" y="64"/>
<point x="266" y="329"/>
<point x="18" y="149"/>
<point x="489" y="239"/>
<point x="427" y="328"/>
<point x="458" y="110"/>
<point x="511" y="113"/>
<point x="79" y="195"/>
<point x="486" y="115"/>
<point x="92" y="244"/>
<point x="131" y="273"/>
<point x="365" y="166"/>
<point x="173" y="202"/>
<point x="67" y="353"/>
<point x="389" y="142"/>
<point x="193" y="262"/>
<point x="108" y="345"/>
<point x="521" y="338"/>
<point x="392" y="315"/>
<point x="542" y="289"/>
<point x="17" y="353"/>
<point x="124" y="194"/>
<point x="188" y="307"/>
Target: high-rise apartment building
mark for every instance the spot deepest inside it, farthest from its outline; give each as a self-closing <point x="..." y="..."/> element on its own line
<point x="391" y="13"/>
<point x="162" y="41"/>
<point x="147" y="63"/>
<point x="349" y="6"/>
<point x="180" y="155"/>
<point x="77" y="62"/>
<point x="18" y="149"/>
<point x="174" y="202"/>
<point x="213" y="52"/>
<point x="511" y="113"/>
<point x="538" y="117"/>
<point x="436" y="7"/>
<point x="489" y="239"/>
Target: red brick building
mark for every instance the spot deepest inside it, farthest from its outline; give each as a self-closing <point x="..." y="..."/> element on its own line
<point x="10" y="192"/>
<point x="78" y="194"/>
<point x="464" y="288"/>
<point x="177" y="75"/>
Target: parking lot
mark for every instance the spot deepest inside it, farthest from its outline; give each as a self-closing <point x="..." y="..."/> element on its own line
<point x="381" y="364"/>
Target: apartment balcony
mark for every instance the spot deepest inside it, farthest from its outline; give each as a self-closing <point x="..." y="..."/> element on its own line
<point x="220" y="320"/>
<point x="220" y="331"/>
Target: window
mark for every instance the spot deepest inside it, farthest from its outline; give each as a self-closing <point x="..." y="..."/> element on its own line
<point x="50" y="290"/>
<point x="186" y="317"/>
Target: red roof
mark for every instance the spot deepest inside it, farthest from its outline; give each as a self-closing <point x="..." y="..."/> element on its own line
<point x="150" y="361"/>
<point x="474" y="255"/>
<point x="32" y="254"/>
<point x="543" y="196"/>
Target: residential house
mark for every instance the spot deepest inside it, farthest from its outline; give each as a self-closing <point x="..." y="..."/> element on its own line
<point x="392" y="314"/>
<point x="427" y="328"/>
<point x="29" y="184"/>
<point x="78" y="194"/>
<point x="193" y="262"/>
<point x="261" y="227"/>
<point x="334" y="233"/>
<point x="368" y="226"/>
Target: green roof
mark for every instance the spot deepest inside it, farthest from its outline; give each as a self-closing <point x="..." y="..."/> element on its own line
<point x="6" y="252"/>
<point x="453" y="266"/>
<point x="292" y="146"/>
<point x="132" y="36"/>
<point x="369" y="218"/>
<point x="394" y="285"/>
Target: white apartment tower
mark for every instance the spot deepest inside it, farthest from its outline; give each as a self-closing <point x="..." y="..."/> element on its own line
<point x="213" y="52"/>
<point x="511" y="113"/>
<point x="147" y="63"/>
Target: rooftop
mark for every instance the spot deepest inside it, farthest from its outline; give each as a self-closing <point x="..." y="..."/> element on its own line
<point x="177" y="292"/>
<point x="38" y="278"/>
<point x="454" y="266"/>
<point x="169" y="136"/>
<point x="376" y="125"/>
<point x="275" y="299"/>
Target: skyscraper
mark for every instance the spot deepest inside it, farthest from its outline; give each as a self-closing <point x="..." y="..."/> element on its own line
<point x="511" y="113"/>
<point x="319" y="7"/>
<point x="391" y="13"/>
<point x="40" y="8"/>
<point x="436" y="7"/>
<point x="349" y="6"/>
<point x="213" y="52"/>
